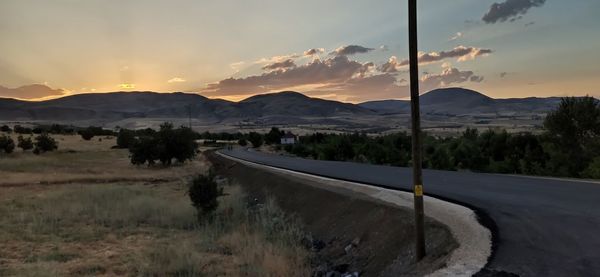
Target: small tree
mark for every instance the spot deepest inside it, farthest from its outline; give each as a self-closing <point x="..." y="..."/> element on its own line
<point x="256" y="139"/>
<point x="242" y="142"/>
<point x="25" y="143"/>
<point x="274" y="136"/>
<point x="126" y="138"/>
<point x="5" y="129"/>
<point x="575" y="127"/>
<point x="86" y="134"/>
<point x="204" y="192"/>
<point x="144" y="150"/>
<point x="44" y="143"/>
<point x="6" y="144"/>
<point x="165" y="145"/>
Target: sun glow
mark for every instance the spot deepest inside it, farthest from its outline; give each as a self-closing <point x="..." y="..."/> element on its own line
<point x="127" y="86"/>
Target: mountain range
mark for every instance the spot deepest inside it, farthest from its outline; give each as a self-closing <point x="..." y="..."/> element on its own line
<point x="284" y="106"/>
<point x="460" y="101"/>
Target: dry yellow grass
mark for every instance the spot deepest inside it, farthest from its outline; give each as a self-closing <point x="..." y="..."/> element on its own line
<point x="84" y="210"/>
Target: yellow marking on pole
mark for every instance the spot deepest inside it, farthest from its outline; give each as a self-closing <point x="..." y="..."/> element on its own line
<point x="419" y="190"/>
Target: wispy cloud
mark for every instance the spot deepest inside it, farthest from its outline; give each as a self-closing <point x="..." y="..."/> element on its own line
<point x="456" y="36"/>
<point x="289" y="63"/>
<point x="176" y="80"/>
<point x="237" y="66"/>
<point x="30" y="92"/>
<point x="461" y="53"/>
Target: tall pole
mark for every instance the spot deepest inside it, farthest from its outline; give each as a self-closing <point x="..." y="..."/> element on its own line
<point x="416" y="130"/>
<point x="189" y="109"/>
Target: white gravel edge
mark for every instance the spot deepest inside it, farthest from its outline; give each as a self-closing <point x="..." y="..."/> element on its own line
<point x="475" y="241"/>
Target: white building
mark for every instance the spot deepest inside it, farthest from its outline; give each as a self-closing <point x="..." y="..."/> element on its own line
<point x="288" y="138"/>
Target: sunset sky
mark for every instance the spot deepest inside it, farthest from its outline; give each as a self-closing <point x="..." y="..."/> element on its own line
<point x="343" y="50"/>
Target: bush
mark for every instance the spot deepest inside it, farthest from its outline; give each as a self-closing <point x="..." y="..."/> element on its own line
<point x="204" y="192"/>
<point x="593" y="170"/>
<point x="165" y="145"/>
<point x="22" y="130"/>
<point x="44" y="143"/>
<point x="86" y="134"/>
<point x="125" y="138"/>
<point x="25" y="143"/>
<point x="5" y="129"/>
<point x="242" y="142"/>
<point x="6" y="144"/>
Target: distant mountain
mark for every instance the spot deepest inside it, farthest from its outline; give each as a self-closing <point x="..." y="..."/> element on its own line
<point x="121" y="105"/>
<point x="459" y="101"/>
<point x="296" y="104"/>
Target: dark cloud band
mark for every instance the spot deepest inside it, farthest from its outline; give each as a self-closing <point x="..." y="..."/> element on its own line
<point x="510" y="10"/>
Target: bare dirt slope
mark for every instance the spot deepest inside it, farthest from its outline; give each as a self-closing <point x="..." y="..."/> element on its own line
<point x="356" y="234"/>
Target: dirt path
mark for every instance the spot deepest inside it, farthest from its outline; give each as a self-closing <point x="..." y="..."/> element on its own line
<point x="356" y="234"/>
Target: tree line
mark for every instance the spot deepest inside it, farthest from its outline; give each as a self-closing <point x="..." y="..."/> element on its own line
<point x="569" y="146"/>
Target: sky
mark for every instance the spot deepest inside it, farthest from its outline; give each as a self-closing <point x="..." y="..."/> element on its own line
<point x="346" y="50"/>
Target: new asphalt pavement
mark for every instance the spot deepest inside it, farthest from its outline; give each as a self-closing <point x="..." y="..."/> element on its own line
<point x="541" y="226"/>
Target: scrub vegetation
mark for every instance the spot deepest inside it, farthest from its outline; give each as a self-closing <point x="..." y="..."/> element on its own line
<point x="85" y="210"/>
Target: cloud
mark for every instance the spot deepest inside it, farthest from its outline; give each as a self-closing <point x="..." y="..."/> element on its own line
<point x="289" y="63"/>
<point x="337" y="69"/>
<point x="237" y="66"/>
<point x="276" y="59"/>
<point x="456" y="36"/>
<point x="314" y="51"/>
<point x="176" y="80"/>
<point x="392" y="65"/>
<point x="503" y="74"/>
<point x="449" y="76"/>
<point x="510" y="10"/>
<point x="30" y="92"/>
<point x="384" y="48"/>
<point x="350" y="50"/>
<point x="461" y="53"/>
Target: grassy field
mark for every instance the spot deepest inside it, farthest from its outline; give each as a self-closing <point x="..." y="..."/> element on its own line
<point x="84" y="210"/>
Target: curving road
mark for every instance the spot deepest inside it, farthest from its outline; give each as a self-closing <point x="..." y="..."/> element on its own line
<point x="544" y="226"/>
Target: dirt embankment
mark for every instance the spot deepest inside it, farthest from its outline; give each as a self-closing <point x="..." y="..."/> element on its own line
<point x="350" y="232"/>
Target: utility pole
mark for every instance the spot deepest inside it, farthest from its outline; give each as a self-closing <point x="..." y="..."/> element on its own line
<point x="416" y="130"/>
<point x="189" y="110"/>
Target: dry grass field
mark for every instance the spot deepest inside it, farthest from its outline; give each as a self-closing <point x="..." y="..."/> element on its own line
<point x="84" y="210"/>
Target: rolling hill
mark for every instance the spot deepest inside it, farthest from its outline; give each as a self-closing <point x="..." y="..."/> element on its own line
<point x="120" y="105"/>
<point x="459" y="101"/>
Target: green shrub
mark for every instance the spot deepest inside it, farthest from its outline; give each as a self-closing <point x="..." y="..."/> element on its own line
<point x="593" y="170"/>
<point x="242" y="142"/>
<point x="44" y="143"/>
<point x="203" y="192"/>
<point x="5" y="129"/>
<point x="25" y="143"/>
<point x="86" y="134"/>
<point x="6" y="144"/>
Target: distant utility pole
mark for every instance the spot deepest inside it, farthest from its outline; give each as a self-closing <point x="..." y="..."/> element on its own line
<point x="189" y="110"/>
<point x="416" y="129"/>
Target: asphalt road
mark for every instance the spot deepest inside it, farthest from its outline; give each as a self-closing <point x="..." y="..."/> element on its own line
<point x="545" y="226"/>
